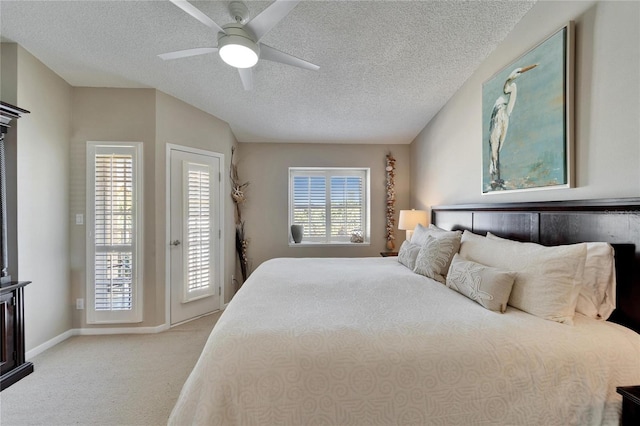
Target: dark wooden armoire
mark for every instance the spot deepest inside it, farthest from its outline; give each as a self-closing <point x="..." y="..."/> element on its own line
<point x="13" y="365"/>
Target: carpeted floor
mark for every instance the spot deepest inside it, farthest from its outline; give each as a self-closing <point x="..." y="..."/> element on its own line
<point x="107" y="380"/>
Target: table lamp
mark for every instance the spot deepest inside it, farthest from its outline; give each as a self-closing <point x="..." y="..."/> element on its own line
<point x="409" y="219"/>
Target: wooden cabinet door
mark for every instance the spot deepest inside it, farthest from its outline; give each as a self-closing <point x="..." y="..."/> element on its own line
<point x="7" y="332"/>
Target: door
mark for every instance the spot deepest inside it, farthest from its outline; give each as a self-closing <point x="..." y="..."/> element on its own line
<point x="195" y="234"/>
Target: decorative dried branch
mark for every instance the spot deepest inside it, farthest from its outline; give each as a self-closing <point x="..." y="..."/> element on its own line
<point x="391" y="200"/>
<point x="237" y="188"/>
<point x="241" y="249"/>
<point x="238" y="197"/>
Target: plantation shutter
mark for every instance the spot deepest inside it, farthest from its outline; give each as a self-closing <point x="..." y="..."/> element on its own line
<point x="309" y="200"/>
<point x="113" y="232"/>
<point x="113" y="212"/>
<point x="331" y="204"/>
<point x="197" y="204"/>
<point x="347" y="205"/>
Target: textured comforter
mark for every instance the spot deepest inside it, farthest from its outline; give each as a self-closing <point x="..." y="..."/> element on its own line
<point x="367" y="341"/>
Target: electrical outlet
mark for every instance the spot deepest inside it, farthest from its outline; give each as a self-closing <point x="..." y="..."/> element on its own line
<point x="79" y="304"/>
<point x="79" y="219"/>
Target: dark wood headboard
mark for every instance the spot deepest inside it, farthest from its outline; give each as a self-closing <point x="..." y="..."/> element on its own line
<point x="616" y="221"/>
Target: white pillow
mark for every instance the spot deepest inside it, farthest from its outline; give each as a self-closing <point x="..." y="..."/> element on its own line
<point x="490" y="287"/>
<point x="435" y="257"/>
<point x="421" y="233"/>
<point x="598" y="293"/>
<point x="597" y="297"/>
<point x="408" y="253"/>
<point x="548" y="279"/>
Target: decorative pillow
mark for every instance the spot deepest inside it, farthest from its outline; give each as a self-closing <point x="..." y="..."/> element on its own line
<point x="434" y="257"/>
<point x="407" y="254"/>
<point x="421" y="233"/>
<point x="490" y="287"/>
<point x="548" y="279"/>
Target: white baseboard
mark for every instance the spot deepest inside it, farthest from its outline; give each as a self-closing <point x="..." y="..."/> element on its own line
<point x="92" y="332"/>
<point x="103" y="331"/>
<point x="120" y="330"/>
<point x="49" y="344"/>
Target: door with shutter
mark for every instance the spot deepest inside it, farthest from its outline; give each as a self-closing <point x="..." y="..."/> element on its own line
<point x="195" y="234"/>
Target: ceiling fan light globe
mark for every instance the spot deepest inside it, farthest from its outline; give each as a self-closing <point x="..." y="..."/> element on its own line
<point x="238" y="56"/>
<point x="238" y="51"/>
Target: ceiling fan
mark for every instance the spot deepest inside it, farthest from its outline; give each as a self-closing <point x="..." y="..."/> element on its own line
<point x="239" y="42"/>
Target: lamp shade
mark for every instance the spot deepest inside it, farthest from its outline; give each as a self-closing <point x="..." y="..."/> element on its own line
<point x="409" y="219"/>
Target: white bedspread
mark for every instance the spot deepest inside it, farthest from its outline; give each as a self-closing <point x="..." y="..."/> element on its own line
<point x="368" y="342"/>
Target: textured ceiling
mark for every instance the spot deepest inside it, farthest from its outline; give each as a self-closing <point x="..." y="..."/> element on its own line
<point x="386" y="68"/>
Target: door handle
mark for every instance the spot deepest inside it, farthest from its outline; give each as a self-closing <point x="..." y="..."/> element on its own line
<point x="175" y="243"/>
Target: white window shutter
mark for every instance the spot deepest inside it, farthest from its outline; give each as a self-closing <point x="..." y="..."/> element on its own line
<point x="114" y="233"/>
<point x="309" y="200"/>
<point x="331" y="203"/>
<point x="347" y="205"/>
<point x="198" y="229"/>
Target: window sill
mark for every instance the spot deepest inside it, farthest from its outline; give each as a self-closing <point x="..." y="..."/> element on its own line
<point x="335" y="244"/>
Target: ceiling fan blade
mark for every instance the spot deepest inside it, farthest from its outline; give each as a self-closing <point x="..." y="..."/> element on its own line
<point x="196" y="13"/>
<point x="246" y="75"/>
<point x="188" y="52"/>
<point x="271" y="54"/>
<point x="268" y="18"/>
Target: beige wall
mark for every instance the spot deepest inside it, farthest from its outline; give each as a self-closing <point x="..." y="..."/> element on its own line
<point x="48" y="154"/>
<point x="114" y="115"/>
<point x="181" y="124"/>
<point x="266" y="167"/>
<point x="9" y="73"/>
<point x="43" y="198"/>
<point x="446" y="156"/>
<point x="155" y="119"/>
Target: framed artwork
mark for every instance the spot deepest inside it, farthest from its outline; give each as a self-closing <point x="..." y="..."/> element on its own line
<point x="527" y="119"/>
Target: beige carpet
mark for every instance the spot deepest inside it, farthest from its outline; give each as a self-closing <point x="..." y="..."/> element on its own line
<point x="107" y="380"/>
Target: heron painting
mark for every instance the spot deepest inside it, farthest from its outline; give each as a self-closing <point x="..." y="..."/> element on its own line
<point x="525" y="113"/>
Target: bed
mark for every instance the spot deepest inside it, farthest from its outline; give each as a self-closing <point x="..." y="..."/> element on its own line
<point x="369" y="341"/>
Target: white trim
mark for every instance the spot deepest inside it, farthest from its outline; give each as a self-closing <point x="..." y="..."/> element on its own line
<point x="107" y="331"/>
<point x="329" y="244"/>
<point x="136" y="314"/>
<point x="167" y="271"/>
<point x="327" y="173"/>
<point x="120" y="330"/>
<point x="49" y="344"/>
<point x="93" y="332"/>
<point x="196" y="318"/>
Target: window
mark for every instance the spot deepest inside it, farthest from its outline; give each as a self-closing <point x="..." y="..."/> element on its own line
<point x="332" y="204"/>
<point x="114" y="232"/>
